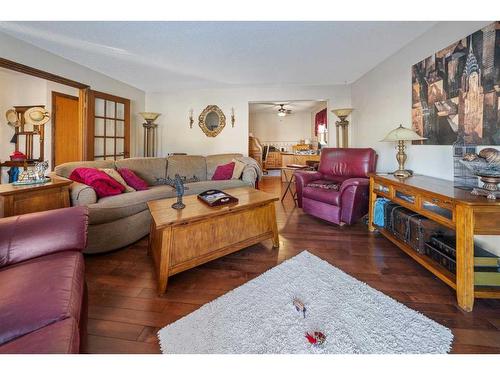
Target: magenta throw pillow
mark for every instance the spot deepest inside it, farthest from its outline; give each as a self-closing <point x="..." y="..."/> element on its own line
<point x="132" y="179"/>
<point x="101" y="182"/>
<point x="224" y="172"/>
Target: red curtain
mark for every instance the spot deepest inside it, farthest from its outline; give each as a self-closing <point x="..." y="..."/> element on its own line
<point x="320" y="120"/>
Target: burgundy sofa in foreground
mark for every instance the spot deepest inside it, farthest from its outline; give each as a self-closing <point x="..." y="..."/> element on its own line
<point x="42" y="283"/>
<point x="349" y="168"/>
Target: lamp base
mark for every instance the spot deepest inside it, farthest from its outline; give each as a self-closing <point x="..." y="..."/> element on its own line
<point x="403" y="173"/>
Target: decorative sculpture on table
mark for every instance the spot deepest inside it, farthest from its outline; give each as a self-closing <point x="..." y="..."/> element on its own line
<point x="485" y="165"/>
<point x="40" y="168"/>
<point x="34" y="175"/>
<point x="178" y="183"/>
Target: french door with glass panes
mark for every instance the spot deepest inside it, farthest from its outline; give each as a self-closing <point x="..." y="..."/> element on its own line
<point x="109" y="127"/>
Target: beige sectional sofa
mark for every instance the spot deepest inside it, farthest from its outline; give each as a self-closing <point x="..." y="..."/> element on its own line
<point x="120" y="220"/>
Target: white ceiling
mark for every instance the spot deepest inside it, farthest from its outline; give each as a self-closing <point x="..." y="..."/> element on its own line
<point x="164" y="56"/>
<point x="295" y="105"/>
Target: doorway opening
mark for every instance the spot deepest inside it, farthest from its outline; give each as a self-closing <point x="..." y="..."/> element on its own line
<point x="285" y="135"/>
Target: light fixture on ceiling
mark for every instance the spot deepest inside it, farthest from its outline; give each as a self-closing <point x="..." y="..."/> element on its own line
<point x="282" y="112"/>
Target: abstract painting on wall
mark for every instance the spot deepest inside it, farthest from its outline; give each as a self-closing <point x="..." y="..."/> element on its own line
<point x="456" y="92"/>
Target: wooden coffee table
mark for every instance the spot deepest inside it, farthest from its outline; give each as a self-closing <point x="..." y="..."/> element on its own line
<point x="183" y="239"/>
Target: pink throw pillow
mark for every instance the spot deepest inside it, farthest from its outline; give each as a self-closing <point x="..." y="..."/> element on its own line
<point x="102" y="183"/>
<point x="224" y="172"/>
<point x="132" y="179"/>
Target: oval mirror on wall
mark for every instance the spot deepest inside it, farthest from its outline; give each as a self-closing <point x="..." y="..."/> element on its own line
<point x="212" y="120"/>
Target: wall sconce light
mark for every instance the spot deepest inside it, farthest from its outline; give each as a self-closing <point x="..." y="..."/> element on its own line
<point x="191" y="120"/>
<point x="233" y="119"/>
<point x="149" y="132"/>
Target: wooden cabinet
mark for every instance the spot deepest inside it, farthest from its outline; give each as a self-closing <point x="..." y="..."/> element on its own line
<point x="288" y="159"/>
<point x="19" y="200"/>
<point x="456" y="209"/>
<point x="273" y="160"/>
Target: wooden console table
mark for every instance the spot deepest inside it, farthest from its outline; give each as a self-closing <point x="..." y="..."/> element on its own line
<point x="24" y="199"/>
<point x="454" y="208"/>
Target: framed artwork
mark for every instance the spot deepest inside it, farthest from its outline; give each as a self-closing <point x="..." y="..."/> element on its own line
<point x="456" y="92"/>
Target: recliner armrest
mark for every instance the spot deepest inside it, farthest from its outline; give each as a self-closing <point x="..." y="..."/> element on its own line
<point x="302" y="178"/>
<point x="360" y="181"/>
<point x="32" y="235"/>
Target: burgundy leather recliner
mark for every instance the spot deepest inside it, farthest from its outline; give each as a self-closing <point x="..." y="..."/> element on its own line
<point x="43" y="305"/>
<point x="348" y="202"/>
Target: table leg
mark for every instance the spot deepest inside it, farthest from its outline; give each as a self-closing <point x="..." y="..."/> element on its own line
<point x="288" y="186"/>
<point x="274" y="224"/>
<point x="465" y="257"/>
<point x="371" y="207"/>
<point x="161" y="256"/>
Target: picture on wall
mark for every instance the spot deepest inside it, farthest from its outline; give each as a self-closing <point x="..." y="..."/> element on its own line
<point x="456" y="92"/>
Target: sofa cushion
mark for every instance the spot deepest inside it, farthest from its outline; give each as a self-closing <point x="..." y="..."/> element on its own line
<point x="224" y="172"/>
<point x="132" y="179"/>
<point x="58" y="338"/>
<point x="239" y="166"/>
<point x="149" y="169"/>
<point x="102" y="183"/>
<point x="39" y="292"/>
<point x="65" y="169"/>
<point x="322" y="195"/>
<point x="200" y="187"/>
<point x="187" y="166"/>
<point x="213" y="161"/>
<point x="114" y="208"/>
<point x="113" y="173"/>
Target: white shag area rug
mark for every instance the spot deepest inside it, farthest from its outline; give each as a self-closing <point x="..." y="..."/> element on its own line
<point x="259" y="317"/>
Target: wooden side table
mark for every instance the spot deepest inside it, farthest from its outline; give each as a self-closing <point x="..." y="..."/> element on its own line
<point x="24" y="199"/>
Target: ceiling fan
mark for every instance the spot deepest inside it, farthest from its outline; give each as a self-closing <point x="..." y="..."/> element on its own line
<point x="282" y="112"/>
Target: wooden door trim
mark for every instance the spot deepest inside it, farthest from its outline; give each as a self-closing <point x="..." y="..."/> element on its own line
<point x="53" y="138"/>
<point x="12" y="65"/>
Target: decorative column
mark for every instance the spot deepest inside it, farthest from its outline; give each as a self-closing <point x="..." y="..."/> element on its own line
<point x="149" y="133"/>
<point x="342" y="114"/>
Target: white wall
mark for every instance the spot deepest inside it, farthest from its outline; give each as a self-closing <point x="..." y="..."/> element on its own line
<point x="17" y="89"/>
<point x="268" y="127"/>
<point x="27" y="54"/>
<point x="382" y="101"/>
<point x="174" y="132"/>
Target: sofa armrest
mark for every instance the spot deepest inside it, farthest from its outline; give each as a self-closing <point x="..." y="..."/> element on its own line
<point x="354" y="199"/>
<point x="302" y="178"/>
<point x="80" y="194"/>
<point x="249" y="175"/>
<point x="32" y="235"/>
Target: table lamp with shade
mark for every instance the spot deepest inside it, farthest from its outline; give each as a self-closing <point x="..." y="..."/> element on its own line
<point x="402" y="135"/>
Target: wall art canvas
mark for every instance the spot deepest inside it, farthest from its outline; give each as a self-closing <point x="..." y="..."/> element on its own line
<point x="456" y="92"/>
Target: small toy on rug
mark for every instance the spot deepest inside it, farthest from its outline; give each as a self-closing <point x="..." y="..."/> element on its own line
<point x="316" y="338"/>
<point x="299" y="306"/>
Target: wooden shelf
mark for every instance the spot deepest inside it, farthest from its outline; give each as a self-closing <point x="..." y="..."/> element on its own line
<point x="430" y="264"/>
<point x="486" y="292"/>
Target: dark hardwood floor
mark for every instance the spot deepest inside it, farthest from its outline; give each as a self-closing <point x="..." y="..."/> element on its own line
<point x="125" y="312"/>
